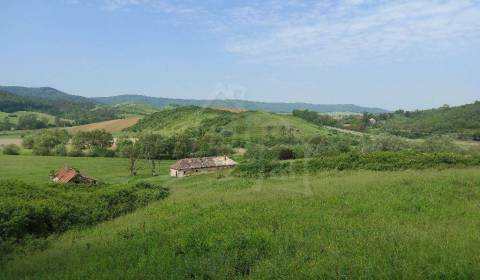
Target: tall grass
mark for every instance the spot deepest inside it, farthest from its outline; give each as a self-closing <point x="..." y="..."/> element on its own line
<point x="349" y="224"/>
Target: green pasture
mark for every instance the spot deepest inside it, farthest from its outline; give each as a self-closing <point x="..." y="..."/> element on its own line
<point x="13" y="117"/>
<point x="351" y="224"/>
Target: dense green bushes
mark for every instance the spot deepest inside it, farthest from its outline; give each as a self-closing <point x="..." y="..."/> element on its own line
<point x="380" y="161"/>
<point x="39" y="210"/>
<point x="461" y="121"/>
<point x="11" y="149"/>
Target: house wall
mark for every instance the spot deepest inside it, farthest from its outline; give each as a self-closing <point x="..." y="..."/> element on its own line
<point x="182" y="173"/>
<point x="176" y="173"/>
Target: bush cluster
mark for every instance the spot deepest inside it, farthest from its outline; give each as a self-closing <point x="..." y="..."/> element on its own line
<point x="34" y="210"/>
<point x="11" y="149"/>
<point x="379" y="161"/>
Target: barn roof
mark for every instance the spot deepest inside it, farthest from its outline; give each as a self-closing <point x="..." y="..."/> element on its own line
<point x="203" y="162"/>
<point x="67" y="174"/>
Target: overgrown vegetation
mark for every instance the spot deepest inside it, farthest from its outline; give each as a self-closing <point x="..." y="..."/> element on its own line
<point x="378" y="161"/>
<point x="11" y="149"/>
<point x="38" y="210"/>
<point x="463" y="122"/>
<point x="356" y="224"/>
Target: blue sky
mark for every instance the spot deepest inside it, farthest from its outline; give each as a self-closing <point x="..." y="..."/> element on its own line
<point x="391" y="54"/>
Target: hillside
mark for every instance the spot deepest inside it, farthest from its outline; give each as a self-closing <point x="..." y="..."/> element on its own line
<point x="47" y="93"/>
<point x="350" y="225"/>
<point x="242" y="125"/>
<point x="275" y="107"/>
<point x="12" y="103"/>
<point x="131" y="110"/>
<point x="109" y="126"/>
<point x="15" y="116"/>
<point x="463" y="121"/>
<point x="51" y="101"/>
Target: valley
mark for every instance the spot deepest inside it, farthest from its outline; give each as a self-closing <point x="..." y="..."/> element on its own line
<point x="309" y="196"/>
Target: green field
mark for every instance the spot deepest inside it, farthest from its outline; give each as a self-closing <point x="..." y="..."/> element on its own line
<point x="352" y="224"/>
<point x="134" y="110"/>
<point x="13" y="117"/>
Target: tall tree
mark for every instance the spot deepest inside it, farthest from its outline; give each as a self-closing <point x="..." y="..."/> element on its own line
<point x="151" y="146"/>
<point x="131" y="149"/>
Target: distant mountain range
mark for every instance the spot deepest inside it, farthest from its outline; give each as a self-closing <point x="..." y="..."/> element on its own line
<point x="59" y="98"/>
<point x="274" y="107"/>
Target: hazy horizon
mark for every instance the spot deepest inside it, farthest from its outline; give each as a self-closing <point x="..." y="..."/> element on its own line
<point x="387" y="54"/>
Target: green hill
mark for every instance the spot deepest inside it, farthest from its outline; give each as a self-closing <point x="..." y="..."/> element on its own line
<point x="47" y="93"/>
<point x="275" y="107"/>
<point x="50" y="101"/>
<point x="463" y="121"/>
<point x="11" y="103"/>
<point x="243" y="125"/>
<point x="14" y="117"/>
<point x="130" y="110"/>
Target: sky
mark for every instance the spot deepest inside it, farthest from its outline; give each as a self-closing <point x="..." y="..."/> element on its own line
<point x="393" y="54"/>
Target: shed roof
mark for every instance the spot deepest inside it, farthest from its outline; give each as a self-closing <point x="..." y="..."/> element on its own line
<point x="203" y="162"/>
<point x="65" y="174"/>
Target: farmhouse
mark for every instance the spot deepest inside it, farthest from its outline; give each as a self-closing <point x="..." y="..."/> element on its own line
<point x="71" y="175"/>
<point x="190" y="166"/>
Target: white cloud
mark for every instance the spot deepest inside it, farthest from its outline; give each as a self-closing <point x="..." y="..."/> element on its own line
<point x="334" y="31"/>
<point x="325" y="31"/>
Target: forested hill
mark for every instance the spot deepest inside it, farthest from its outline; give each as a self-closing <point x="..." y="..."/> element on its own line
<point x="274" y="107"/>
<point x="462" y="120"/>
<point x="11" y="103"/>
<point x="47" y="93"/>
<point x="47" y="100"/>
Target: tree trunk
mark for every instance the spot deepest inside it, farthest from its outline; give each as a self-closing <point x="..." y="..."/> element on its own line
<point x="154" y="171"/>
<point x="132" y="166"/>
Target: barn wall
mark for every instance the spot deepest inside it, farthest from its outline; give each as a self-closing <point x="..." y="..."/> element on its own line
<point x="205" y="170"/>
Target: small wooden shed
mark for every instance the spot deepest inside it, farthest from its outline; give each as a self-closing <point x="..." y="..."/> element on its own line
<point x="71" y="175"/>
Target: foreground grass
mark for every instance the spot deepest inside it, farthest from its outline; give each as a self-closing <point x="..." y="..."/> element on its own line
<point x="358" y="224"/>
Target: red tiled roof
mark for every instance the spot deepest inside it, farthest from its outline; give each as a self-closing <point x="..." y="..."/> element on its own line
<point x="65" y="175"/>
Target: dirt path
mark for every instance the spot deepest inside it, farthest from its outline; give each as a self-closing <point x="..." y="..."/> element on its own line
<point x="7" y="141"/>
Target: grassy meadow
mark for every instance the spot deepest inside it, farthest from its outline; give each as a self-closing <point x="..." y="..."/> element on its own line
<point x="338" y="224"/>
<point x="14" y="117"/>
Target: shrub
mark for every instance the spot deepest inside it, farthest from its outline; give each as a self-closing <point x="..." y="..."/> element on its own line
<point x="75" y="153"/>
<point x="45" y="142"/>
<point x="28" y="141"/>
<point x="285" y="153"/>
<point x="368" y="161"/>
<point x="60" y="150"/>
<point x="11" y="149"/>
<point x="39" y="210"/>
<point x="439" y="144"/>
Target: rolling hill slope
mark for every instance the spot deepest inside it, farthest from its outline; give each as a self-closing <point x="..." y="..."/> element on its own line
<point x="47" y="93"/>
<point x="51" y="101"/>
<point x="242" y="125"/>
<point x="109" y="126"/>
<point x="461" y="120"/>
<point x="275" y="107"/>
